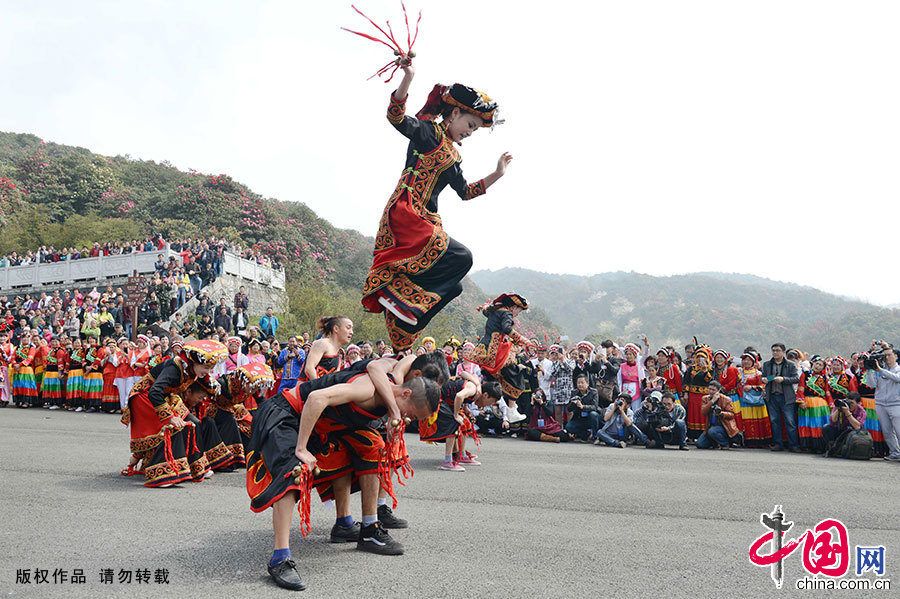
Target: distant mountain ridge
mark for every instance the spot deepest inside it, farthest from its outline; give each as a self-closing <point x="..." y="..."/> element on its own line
<point x="729" y="310"/>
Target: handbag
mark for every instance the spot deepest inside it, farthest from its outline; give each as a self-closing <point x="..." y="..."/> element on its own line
<point x="752" y="397"/>
<point x="606" y="390"/>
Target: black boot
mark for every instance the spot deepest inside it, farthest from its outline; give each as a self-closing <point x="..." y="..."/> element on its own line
<point x="388" y="519"/>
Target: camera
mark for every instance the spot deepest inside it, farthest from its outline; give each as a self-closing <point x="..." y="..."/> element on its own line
<point x="840" y="403"/>
<point x="874" y="360"/>
<point x="619" y="402"/>
<point x="657" y="415"/>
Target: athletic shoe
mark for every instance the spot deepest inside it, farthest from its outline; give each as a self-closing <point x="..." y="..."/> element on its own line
<point x="286" y="576"/>
<point x="78" y="409"/>
<point x="468" y="460"/>
<point x="208" y="474"/>
<point x="54" y="407"/>
<point x="623" y="444"/>
<point x="471" y="455"/>
<point x="388" y="519"/>
<point x="684" y="448"/>
<point x="892" y="458"/>
<point x="397" y="311"/>
<point x="345" y="534"/>
<point x="514" y="416"/>
<point x="90" y="411"/>
<point x="452" y="467"/>
<point x="375" y="539"/>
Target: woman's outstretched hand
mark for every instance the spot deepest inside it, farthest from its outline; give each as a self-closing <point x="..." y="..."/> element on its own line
<point x="503" y="162"/>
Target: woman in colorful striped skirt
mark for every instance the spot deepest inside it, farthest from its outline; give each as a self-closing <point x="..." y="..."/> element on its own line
<point x="52" y="390"/>
<point x="814" y="403"/>
<point x="873" y="425"/>
<point x="754" y="417"/>
<point x="110" y="400"/>
<point x="75" y="378"/>
<point x="92" y="386"/>
<point x="24" y="388"/>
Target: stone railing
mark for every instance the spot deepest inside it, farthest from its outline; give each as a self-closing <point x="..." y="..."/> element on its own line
<point x="250" y="270"/>
<point x="109" y="267"/>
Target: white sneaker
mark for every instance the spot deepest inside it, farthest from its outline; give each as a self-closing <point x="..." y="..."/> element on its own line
<point x="208" y="474"/>
<point x="514" y="416"/>
<point x="54" y="407"/>
<point x="392" y="307"/>
<point x="79" y="409"/>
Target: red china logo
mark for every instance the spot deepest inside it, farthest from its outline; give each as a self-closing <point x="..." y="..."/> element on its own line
<point x="826" y="552"/>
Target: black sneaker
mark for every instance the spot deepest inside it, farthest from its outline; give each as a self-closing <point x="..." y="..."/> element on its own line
<point x="286" y="576"/>
<point x="345" y="534"/>
<point x="375" y="539"/>
<point x="388" y="519"/>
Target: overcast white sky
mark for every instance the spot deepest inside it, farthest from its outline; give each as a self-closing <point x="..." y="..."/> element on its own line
<point x="757" y="137"/>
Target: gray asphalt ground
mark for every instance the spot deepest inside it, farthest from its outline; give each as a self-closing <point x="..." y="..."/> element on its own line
<point x="535" y="520"/>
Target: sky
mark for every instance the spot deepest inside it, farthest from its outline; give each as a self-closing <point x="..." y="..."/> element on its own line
<point x="651" y="136"/>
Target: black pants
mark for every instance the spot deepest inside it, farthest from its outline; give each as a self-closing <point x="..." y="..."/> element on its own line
<point x="534" y="434"/>
<point x="489" y="421"/>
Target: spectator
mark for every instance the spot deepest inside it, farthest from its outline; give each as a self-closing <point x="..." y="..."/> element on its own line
<point x="365" y="350"/>
<point x="846" y="415"/>
<point x="224" y="304"/>
<point x="205" y="328"/>
<point x="379" y="345"/>
<point x="204" y="308"/>
<point x="207" y="275"/>
<point x="222" y="318"/>
<point x="269" y="323"/>
<point x="160" y="265"/>
<point x="239" y="321"/>
<point x="780" y="375"/>
<point x="619" y="424"/>
<point x="718" y="410"/>
<point x="886" y="381"/>
<point x="560" y="381"/>
<point x="241" y="300"/>
<point x="584" y="409"/>
<point x="291" y="359"/>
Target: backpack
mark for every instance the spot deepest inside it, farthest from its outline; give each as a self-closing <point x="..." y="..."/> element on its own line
<point x="857" y="445"/>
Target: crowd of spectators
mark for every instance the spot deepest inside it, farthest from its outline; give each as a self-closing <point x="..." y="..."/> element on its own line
<point x="204" y="250"/>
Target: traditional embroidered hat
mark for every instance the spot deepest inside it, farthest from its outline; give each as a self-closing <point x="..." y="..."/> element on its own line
<point x="844" y="364"/>
<point x="428" y="339"/>
<point x="352" y="347"/>
<point x="144" y="338"/>
<point x="668" y="353"/>
<point x="505" y="300"/>
<point x="632" y="348"/>
<point x="724" y="354"/>
<point x="453" y="342"/>
<point x="463" y="97"/>
<point x="468" y="345"/>
<point x="204" y="351"/>
<point x="587" y="346"/>
<point x="704" y="351"/>
<point x="555" y="348"/>
<point x="258" y="376"/>
<point x="234" y="338"/>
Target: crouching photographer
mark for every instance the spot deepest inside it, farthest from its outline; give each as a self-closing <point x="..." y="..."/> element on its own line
<point x="666" y="419"/>
<point x="718" y="410"/>
<point x="619" y="425"/>
<point x="847" y="415"/>
<point x="583" y="410"/>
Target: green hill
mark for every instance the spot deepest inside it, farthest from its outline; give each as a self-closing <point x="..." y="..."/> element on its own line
<point x="52" y="194"/>
<point x="723" y="310"/>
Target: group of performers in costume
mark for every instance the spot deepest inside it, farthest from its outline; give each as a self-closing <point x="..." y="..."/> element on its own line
<point x="89" y="377"/>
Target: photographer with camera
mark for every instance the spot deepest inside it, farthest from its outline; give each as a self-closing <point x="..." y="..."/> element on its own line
<point x="718" y="410"/>
<point x="668" y="423"/>
<point x="619" y="426"/>
<point x="648" y="407"/>
<point x="884" y="375"/>
<point x="605" y="367"/>
<point x="846" y="415"/>
<point x="584" y="416"/>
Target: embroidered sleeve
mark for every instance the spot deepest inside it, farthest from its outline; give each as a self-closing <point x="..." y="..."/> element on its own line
<point x="516" y="338"/>
<point x="396" y="111"/>
<point x="170" y="377"/>
<point x="473" y="190"/>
